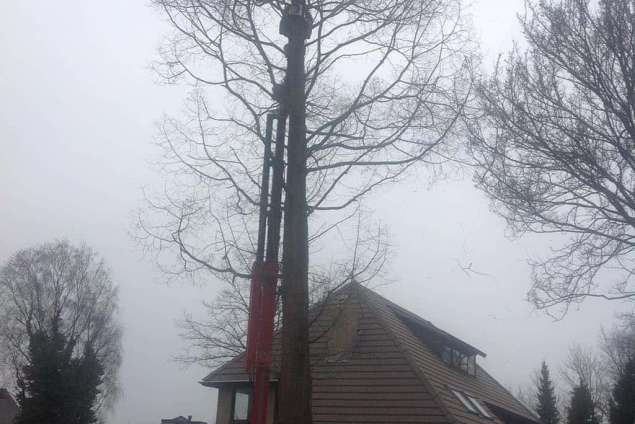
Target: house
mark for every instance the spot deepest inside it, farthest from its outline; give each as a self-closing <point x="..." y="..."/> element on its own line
<point x="375" y="362"/>
<point x="181" y="420"/>
<point x="8" y="407"/>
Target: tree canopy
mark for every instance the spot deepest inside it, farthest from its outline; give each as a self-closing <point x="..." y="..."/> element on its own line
<point x="59" y="290"/>
<point x="555" y="146"/>
<point x="622" y="407"/>
<point x="56" y="387"/>
<point x="582" y="408"/>
<point x="365" y="128"/>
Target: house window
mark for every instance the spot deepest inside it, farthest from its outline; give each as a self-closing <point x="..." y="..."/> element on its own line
<point x="465" y="401"/>
<point x="471" y="404"/>
<point x="241" y="405"/>
<point x="459" y="360"/>
<point x="480" y="407"/>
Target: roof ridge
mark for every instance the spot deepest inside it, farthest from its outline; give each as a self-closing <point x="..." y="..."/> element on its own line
<point x="423" y="321"/>
<point x="411" y="363"/>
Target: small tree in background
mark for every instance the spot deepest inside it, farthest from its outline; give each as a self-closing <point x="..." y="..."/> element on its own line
<point x="622" y="408"/>
<point x="582" y="408"/>
<point x="55" y="387"/>
<point x="618" y="345"/>
<point x="41" y="382"/>
<point x="60" y="288"/>
<point x="89" y="373"/>
<point x="584" y="363"/>
<point x="546" y="401"/>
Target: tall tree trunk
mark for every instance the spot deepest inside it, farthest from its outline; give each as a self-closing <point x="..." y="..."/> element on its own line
<point x="295" y="378"/>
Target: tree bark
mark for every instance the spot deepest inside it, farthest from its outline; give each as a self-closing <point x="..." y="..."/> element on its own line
<point x="295" y="378"/>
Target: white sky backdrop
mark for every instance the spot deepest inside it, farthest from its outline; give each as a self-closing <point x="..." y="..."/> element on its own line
<point x="78" y="105"/>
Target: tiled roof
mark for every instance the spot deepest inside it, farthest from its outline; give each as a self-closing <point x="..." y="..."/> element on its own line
<point x="390" y="376"/>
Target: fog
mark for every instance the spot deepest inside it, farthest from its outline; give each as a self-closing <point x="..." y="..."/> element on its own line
<point x="78" y="107"/>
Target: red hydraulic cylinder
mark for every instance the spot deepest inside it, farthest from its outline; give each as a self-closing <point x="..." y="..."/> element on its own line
<point x="262" y="310"/>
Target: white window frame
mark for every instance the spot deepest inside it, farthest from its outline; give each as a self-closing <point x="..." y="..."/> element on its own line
<point x="465" y="401"/>
<point x="480" y="407"/>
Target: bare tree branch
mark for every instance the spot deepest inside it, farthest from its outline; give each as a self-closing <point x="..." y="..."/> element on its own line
<point x="555" y="145"/>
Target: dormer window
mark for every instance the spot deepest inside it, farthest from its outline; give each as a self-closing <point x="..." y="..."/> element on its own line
<point x="454" y="352"/>
<point x="459" y="360"/>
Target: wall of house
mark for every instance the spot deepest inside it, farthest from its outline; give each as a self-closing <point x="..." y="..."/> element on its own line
<point x="8" y="411"/>
<point x="224" y="405"/>
<point x="343" y="335"/>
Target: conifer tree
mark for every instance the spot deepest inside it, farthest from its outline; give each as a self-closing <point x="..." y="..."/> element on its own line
<point x="56" y="386"/>
<point x="88" y="373"/>
<point x="622" y="408"/>
<point x="546" y="402"/>
<point x="42" y="384"/>
<point x="582" y="409"/>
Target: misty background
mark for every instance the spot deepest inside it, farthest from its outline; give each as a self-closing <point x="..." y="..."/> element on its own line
<point x="78" y="108"/>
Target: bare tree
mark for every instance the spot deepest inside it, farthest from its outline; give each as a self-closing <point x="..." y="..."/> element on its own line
<point x="586" y="366"/>
<point x="555" y="146"/>
<point x="618" y="345"/>
<point x="385" y="86"/>
<point x="221" y="333"/>
<point x="72" y="285"/>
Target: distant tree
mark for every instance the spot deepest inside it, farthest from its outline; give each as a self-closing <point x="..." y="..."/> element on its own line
<point x="42" y="386"/>
<point x="55" y="387"/>
<point x="88" y="373"/>
<point x="618" y="345"/>
<point x="546" y="401"/>
<point x="622" y="408"/>
<point x="585" y="364"/>
<point x="582" y="408"/>
<point x="53" y="288"/>
<point x="555" y="148"/>
<point x="526" y="394"/>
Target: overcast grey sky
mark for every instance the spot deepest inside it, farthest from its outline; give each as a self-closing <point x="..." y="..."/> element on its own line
<point x="78" y="105"/>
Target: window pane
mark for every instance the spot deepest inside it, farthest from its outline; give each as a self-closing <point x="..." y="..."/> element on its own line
<point x="480" y="408"/>
<point x="241" y="405"/>
<point x="468" y="405"/>
<point x="446" y="355"/>
<point x="471" y="367"/>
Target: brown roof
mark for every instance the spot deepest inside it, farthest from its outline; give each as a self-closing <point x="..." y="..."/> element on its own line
<point x="391" y="375"/>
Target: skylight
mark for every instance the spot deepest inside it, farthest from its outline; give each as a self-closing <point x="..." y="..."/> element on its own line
<point x="480" y="407"/>
<point x="472" y="405"/>
<point x="464" y="400"/>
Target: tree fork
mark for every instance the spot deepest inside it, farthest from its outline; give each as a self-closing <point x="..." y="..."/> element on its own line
<point x="295" y="373"/>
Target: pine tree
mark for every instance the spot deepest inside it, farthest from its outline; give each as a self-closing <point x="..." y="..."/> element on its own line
<point x="88" y="373"/>
<point x="56" y="387"/>
<point x="546" y="398"/>
<point x="582" y="409"/>
<point x="42" y="384"/>
<point x="622" y="409"/>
